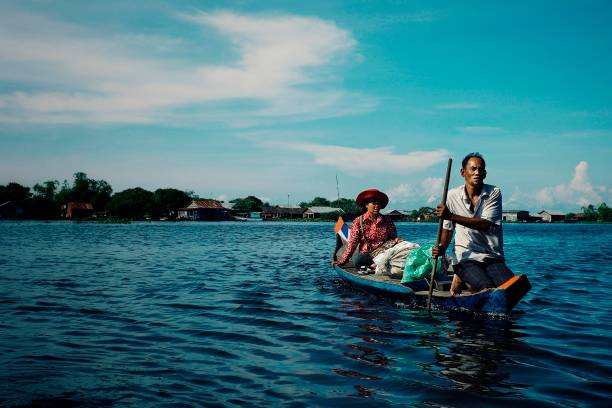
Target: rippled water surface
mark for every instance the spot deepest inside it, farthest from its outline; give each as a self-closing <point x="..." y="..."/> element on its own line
<point x="250" y="314"/>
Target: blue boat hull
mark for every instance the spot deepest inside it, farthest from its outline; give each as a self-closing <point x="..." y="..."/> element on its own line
<point x="500" y="300"/>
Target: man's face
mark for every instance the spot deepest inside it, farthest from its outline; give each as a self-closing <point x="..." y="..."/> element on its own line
<point x="474" y="172"/>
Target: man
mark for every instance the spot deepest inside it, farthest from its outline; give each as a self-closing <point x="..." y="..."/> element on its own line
<point x="474" y="211"/>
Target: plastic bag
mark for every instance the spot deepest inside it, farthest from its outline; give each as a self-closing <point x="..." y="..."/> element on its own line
<point x="392" y="261"/>
<point x="418" y="264"/>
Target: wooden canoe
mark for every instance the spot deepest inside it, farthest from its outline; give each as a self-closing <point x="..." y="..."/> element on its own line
<point x="500" y="300"/>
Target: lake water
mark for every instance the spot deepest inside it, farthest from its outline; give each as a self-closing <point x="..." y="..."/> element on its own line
<point x="250" y="314"/>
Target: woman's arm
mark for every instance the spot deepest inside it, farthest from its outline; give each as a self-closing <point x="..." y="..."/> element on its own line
<point x="354" y="239"/>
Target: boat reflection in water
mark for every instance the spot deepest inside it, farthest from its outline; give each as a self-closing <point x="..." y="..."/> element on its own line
<point x="395" y="350"/>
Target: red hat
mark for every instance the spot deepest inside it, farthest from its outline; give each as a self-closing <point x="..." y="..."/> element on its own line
<point x="372" y="194"/>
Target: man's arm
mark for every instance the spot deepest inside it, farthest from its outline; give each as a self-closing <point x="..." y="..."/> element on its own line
<point x="476" y="223"/>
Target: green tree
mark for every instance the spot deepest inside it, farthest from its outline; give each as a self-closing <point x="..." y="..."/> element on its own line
<point x="84" y="189"/>
<point x="250" y="203"/>
<point x="14" y="192"/>
<point x="590" y="213"/>
<point x="426" y="214"/>
<point x="169" y="200"/>
<point x="604" y="213"/>
<point x="63" y="195"/>
<point x="316" y="202"/>
<point x="46" y="190"/>
<point x="101" y="193"/>
<point x="133" y="203"/>
<point x="350" y="208"/>
<point x="42" y="205"/>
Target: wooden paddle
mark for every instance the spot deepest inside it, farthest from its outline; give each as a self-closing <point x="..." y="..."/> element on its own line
<point x="435" y="265"/>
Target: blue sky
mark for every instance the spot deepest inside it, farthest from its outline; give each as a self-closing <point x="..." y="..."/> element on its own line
<point x="276" y="98"/>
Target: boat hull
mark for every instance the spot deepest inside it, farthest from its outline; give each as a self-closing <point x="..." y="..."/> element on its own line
<point x="500" y="300"/>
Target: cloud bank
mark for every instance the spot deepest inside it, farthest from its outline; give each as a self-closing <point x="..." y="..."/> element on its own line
<point x="367" y="160"/>
<point x="579" y="191"/>
<point x="429" y="189"/>
<point x="67" y="73"/>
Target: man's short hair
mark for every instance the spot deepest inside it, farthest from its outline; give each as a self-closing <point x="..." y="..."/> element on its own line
<point x="467" y="158"/>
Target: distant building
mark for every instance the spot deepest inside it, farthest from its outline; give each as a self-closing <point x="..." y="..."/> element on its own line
<point x="397" y="215"/>
<point x="277" y="212"/>
<point x="204" y="210"/>
<point x="515" y="216"/>
<point x="551" y="216"/>
<point x="534" y="218"/>
<point x="75" y="210"/>
<point x="317" y="212"/>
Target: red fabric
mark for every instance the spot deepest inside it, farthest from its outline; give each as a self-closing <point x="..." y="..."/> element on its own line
<point x="376" y="231"/>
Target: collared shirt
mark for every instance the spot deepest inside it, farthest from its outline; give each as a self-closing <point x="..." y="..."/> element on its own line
<point x="376" y="232"/>
<point x="471" y="244"/>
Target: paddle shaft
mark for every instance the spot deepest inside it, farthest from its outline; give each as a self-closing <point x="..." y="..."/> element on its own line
<point x="440" y="222"/>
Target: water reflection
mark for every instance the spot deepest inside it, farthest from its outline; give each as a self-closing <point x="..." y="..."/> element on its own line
<point x="388" y="343"/>
<point x="473" y="354"/>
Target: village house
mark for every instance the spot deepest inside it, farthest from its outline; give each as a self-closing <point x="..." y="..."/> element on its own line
<point x="75" y="210"/>
<point x="515" y="216"/>
<point x="204" y="210"/>
<point x="397" y="215"/>
<point x="534" y="218"/>
<point x="277" y="212"/>
<point x="552" y="216"/>
<point x="317" y="212"/>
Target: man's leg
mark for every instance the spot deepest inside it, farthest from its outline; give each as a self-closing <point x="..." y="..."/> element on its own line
<point x="499" y="273"/>
<point x="475" y="276"/>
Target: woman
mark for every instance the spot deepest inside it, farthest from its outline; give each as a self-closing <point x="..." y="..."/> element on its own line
<point x="371" y="232"/>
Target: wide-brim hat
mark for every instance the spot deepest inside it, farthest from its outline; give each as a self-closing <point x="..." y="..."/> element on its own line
<point x="372" y="194"/>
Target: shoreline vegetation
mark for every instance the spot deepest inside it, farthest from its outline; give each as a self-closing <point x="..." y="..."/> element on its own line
<point x="89" y="200"/>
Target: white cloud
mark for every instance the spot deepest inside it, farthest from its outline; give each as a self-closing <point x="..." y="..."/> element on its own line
<point x="88" y="77"/>
<point x="429" y="189"/>
<point x="579" y="191"/>
<point x="362" y="160"/>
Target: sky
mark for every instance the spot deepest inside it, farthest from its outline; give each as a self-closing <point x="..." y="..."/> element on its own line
<point x="288" y="100"/>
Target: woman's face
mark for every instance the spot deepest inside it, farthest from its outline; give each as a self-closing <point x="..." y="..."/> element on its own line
<point x="373" y="207"/>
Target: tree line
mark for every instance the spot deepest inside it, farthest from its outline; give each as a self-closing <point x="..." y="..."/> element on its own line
<point x="602" y="213"/>
<point x="45" y="200"/>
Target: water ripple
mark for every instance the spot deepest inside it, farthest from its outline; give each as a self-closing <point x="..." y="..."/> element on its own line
<point x="230" y="314"/>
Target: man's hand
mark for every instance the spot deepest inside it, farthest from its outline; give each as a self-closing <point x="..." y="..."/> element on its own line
<point x="438" y="250"/>
<point x="443" y="212"/>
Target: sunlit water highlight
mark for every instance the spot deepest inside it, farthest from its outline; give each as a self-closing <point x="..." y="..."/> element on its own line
<point x="250" y="314"/>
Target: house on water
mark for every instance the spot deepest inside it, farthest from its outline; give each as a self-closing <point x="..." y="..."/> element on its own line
<point x="277" y="212"/>
<point x="552" y="216"/>
<point x="318" y="212"/>
<point x="515" y="216"/>
<point x="204" y="210"/>
<point x="74" y="210"/>
<point x="397" y="215"/>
